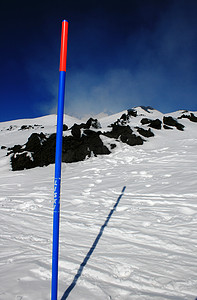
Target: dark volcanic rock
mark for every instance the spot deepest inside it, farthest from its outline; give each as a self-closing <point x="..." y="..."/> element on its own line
<point x="94" y="123"/>
<point x="65" y="127"/>
<point x="76" y="128"/>
<point x="112" y="146"/>
<point x="26" y="127"/>
<point x="39" y="150"/>
<point x="125" y="118"/>
<point x="146" y="133"/>
<point x="46" y="155"/>
<point x="156" y="124"/>
<point x="78" y="149"/>
<point x="15" y="149"/>
<point x="172" y="122"/>
<point x="76" y="131"/>
<point x="118" y="131"/>
<point x="132" y="112"/>
<point x="73" y="150"/>
<point x="21" y="161"/>
<point x="85" y="140"/>
<point x="147" y="108"/>
<point x="12" y="127"/>
<point x="145" y="121"/>
<point x="94" y="143"/>
<point x="35" y="142"/>
<point x="125" y="134"/>
<point x="167" y="127"/>
<point x="191" y="117"/>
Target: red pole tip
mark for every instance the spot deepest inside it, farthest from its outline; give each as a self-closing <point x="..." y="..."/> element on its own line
<point x="63" y="52"/>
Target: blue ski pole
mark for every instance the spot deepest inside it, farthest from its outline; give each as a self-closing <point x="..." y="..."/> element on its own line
<point x="58" y="160"/>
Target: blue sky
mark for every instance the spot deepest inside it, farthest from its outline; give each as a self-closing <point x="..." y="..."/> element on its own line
<point x="121" y="54"/>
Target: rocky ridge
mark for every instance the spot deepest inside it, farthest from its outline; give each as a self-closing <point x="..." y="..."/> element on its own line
<point x="81" y="141"/>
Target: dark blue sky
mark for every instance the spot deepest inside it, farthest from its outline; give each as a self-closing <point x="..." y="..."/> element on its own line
<point x="121" y="54"/>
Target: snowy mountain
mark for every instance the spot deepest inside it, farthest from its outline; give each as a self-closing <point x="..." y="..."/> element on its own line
<point x="128" y="216"/>
<point x="83" y="140"/>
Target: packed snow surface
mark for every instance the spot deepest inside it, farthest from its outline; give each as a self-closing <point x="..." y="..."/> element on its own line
<point x="127" y="227"/>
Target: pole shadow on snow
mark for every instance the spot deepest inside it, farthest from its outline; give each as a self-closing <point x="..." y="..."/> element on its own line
<point x="83" y="264"/>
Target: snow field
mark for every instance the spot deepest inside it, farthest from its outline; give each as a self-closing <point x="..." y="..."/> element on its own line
<point x="146" y="251"/>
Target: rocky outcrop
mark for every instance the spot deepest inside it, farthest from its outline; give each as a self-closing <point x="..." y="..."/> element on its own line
<point x="77" y="149"/>
<point x="39" y="150"/>
<point x="125" y="135"/>
<point x="191" y="117"/>
<point x="146" y="133"/>
<point x="169" y="121"/>
<point x="156" y="124"/>
<point x="84" y="140"/>
<point x="125" y="118"/>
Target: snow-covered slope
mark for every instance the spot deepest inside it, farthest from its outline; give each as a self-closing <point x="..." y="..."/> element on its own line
<point x="11" y="132"/>
<point x="128" y="219"/>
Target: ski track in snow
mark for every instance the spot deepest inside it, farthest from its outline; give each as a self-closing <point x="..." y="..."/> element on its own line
<point x="148" y="248"/>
